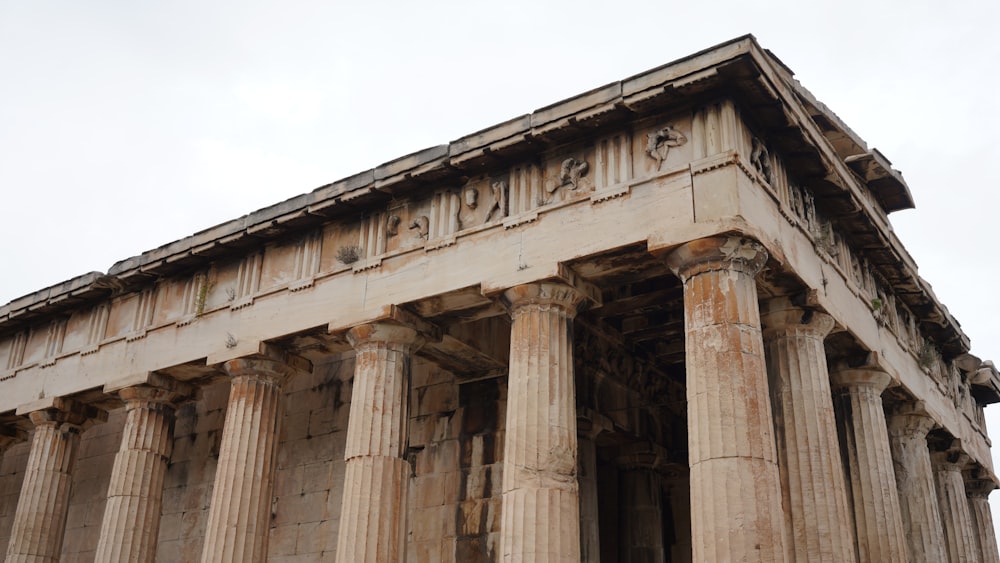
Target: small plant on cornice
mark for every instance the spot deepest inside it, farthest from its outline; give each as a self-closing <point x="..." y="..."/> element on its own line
<point x="877" y="304"/>
<point x="348" y="254"/>
<point x="203" y="292"/>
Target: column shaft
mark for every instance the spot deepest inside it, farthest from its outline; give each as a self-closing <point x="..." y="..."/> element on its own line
<point x="238" y="520"/>
<point x="982" y="519"/>
<point x="956" y="521"/>
<point x="736" y="512"/>
<point x="812" y="471"/>
<point x="372" y="516"/>
<point x="131" y="522"/>
<point x="540" y="519"/>
<point x="915" y="482"/>
<point x="40" y="518"/>
<point x="642" y="517"/>
<point x="878" y="524"/>
<point x="590" y="543"/>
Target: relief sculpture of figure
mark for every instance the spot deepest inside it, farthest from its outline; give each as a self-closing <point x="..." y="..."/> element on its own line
<point x="761" y="159"/>
<point x="392" y="225"/>
<point x="499" y="208"/>
<point x="658" y="143"/>
<point x="422" y="226"/>
<point x="571" y="172"/>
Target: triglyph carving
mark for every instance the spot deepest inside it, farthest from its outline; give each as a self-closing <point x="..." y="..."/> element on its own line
<point x="54" y="341"/>
<point x="16" y="356"/>
<point x="658" y="143"/>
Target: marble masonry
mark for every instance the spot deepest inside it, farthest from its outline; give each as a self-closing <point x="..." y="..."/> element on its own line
<point x="666" y="320"/>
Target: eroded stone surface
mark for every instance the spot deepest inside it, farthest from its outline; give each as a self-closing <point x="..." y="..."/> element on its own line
<point x="861" y="425"/>
<point x="812" y="471"/>
<point x="736" y="512"/>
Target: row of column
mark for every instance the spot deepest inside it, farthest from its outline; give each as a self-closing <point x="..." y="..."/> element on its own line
<point x="767" y="479"/>
<point x="769" y="447"/>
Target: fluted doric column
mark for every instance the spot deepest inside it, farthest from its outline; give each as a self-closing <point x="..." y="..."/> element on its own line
<point x="40" y="518"/>
<point x="590" y="540"/>
<point x="132" y="514"/>
<point x="956" y="521"/>
<point x="982" y="518"/>
<point x="878" y="524"/>
<point x="813" y="488"/>
<point x="642" y="516"/>
<point x="239" y="518"/>
<point x="373" y="510"/>
<point x="908" y="427"/>
<point x="540" y="519"/>
<point x="736" y="512"/>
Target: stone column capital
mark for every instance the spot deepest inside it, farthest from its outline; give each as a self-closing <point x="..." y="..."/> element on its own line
<point x="552" y="294"/>
<point x="910" y="421"/>
<point x="67" y="412"/>
<point x="950" y="460"/>
<point x="384" y="333"/>
<point x="164" y="390"/>
<point x="780" y="317"/>
<point x="254" y="367"/>
<point x="979" y="488"/>
<point x="873" y="378"/>
<point x="717" y="253"/>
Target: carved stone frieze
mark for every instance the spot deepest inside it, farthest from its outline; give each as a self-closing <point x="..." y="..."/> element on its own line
<point x="421" y="225"/>
<point x="392" y="225"/>
<point x="659" y="143"/>
<point x="572" y="172"/>
<point x="760" y="158"/>
<point x="498" y="209"/>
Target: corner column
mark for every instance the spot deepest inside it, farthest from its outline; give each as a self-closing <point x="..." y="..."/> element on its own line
<point x="540" y="519"/>
<point x="812" y="470"/>
<point x="238" y="520"/>
<point x="878" y="523"/>
<point x="908" y="428"/>
<point x="373" y="510"/>
<point x="956" y="520"/>
<point x="40" y="518"/>
<point x="131" y="522"/>
<point x="736" y="512"/>
<point x="982" y="518"/>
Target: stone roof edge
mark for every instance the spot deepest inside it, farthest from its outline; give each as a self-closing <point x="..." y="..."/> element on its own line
<point x="510" y="132"/>
<point x="806" y="97"/>
<point x="514" y="130"/>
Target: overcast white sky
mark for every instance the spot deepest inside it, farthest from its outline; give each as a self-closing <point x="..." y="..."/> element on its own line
<point x="127" y="125"/>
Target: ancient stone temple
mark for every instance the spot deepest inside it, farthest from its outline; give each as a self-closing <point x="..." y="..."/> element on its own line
<point x="666" y="320"/>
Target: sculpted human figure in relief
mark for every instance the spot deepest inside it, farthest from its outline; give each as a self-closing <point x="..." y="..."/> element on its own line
<point x="572" y="171"/>
<point x="499" y="208"/>
<point x="658" y="143"/>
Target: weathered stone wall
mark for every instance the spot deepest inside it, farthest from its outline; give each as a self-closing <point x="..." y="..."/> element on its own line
<point x="11" y="477"/>
<point x="90" y="488"/>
